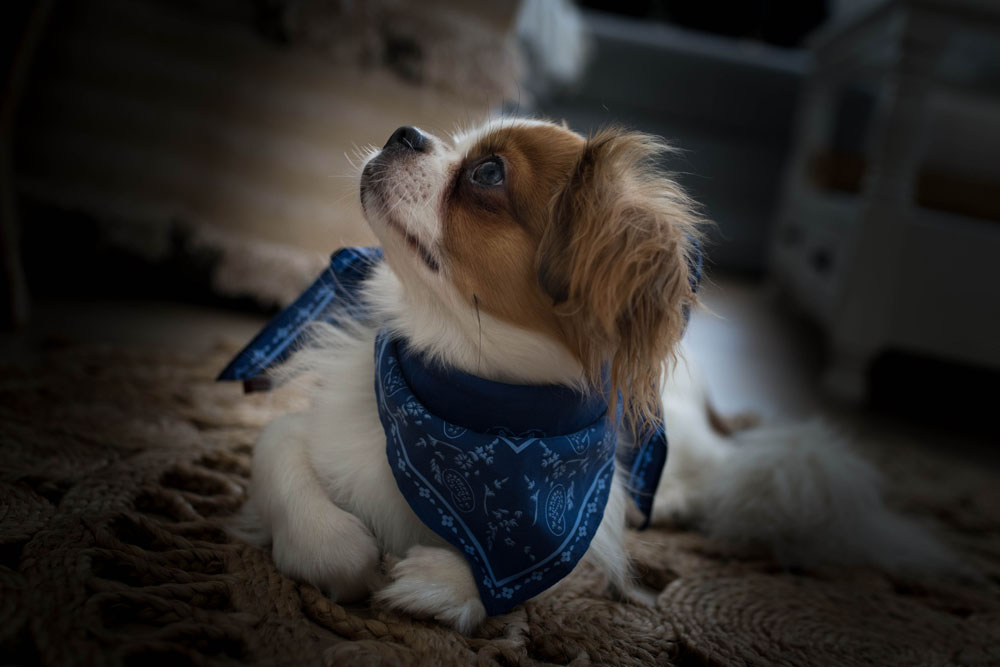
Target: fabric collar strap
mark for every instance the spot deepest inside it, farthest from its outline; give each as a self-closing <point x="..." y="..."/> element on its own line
<point x="479" y="404"/>
<point x="335" y="293"/>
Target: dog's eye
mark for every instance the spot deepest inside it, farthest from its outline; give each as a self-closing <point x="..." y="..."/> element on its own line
<point x="489" y="172"/>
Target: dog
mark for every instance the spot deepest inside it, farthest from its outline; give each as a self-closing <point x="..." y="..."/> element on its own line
<point x="527" y="254"/>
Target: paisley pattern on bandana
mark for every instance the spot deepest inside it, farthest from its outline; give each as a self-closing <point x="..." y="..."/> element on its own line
<point x="521" y="508"/>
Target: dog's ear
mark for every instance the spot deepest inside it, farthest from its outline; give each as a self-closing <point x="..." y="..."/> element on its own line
<point x="614" y="259"/>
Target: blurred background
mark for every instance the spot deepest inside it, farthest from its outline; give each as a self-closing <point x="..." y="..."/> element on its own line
<point x="173" y="171"/>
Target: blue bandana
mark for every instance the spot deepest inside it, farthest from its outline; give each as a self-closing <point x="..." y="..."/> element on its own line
<point x="520" y="499"/>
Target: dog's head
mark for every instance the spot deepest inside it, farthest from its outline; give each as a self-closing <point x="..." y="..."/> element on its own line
<point x="581" y="239"/>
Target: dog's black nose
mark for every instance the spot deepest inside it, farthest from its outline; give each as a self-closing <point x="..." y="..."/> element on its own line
<point x="409" y="138"/>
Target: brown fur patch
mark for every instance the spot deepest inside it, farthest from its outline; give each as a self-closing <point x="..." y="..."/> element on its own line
<point x="491" y="234"/>
<point x="615" y="260"/>
<point x="586" y="240"/>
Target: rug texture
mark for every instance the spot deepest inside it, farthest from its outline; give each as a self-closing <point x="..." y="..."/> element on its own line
<point x="119" y="467"/>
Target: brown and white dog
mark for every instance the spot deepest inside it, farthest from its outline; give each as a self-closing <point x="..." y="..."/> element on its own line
<point x="523" y="252"/>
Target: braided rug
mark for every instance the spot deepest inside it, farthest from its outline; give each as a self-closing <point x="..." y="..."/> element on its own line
<point x="118" y="467"/>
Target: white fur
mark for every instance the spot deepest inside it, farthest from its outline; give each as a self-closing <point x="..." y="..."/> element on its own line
<point x="798" y="491"/>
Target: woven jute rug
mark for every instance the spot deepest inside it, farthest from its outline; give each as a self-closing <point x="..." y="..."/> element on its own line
<point x="118" y="468"/>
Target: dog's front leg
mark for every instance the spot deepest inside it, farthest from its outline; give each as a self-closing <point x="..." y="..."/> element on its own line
<point x="313" y="540"/>
<point x="435" y="582"/>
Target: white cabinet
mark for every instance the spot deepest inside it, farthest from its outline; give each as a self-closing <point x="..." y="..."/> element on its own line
<point x="888" y="233"/>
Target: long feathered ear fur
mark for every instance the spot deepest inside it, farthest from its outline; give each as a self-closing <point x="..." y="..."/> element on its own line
<point x="614" y="260"/>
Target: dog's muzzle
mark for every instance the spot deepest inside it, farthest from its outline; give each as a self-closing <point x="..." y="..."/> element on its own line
<point x="405" y="141"/>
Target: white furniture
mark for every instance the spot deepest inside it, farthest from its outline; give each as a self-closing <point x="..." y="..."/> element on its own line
<point x="888" y="232"/>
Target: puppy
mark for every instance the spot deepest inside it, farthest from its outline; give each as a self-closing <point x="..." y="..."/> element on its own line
<point x="518" y="253"/>
<point x="524" y="253"/>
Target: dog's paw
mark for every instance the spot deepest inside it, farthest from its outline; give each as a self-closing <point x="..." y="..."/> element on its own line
<point x="437" y="583"/>
<point x="675" y="504"/>
<point x="336" y="553"/>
